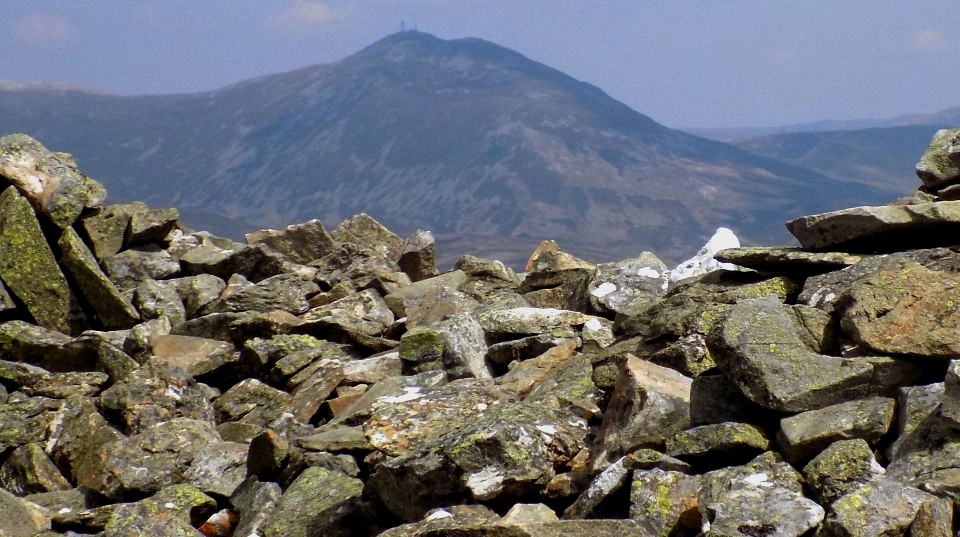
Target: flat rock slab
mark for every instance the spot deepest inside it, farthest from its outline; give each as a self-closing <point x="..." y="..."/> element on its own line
<point x="907" y="309"/>
<point x="786" y="260"/>
<point x="886" y="228"/>
<point x="808" y="433"/>
<point x="729" y="443"/>
<point x="840" y="469"/>
<point x="879" y="508"/>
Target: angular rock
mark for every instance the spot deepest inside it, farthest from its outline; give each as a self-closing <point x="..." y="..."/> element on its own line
<point x="786" y="260"/>
<point x="527" y="375"/>
<point x="725" y="444"/>
<point x="569" y="386"/>
<point x="665" y="502"/>
<point x="29" y="269"/>
<point x="82" y="435"/>
<point x="528" y="321"/>
<point x="649" y="404"/>
<point x="150" y="225"/>
<point x="106" y="228"/>
<point x="299" y="243"/>
<point x="880" y="507"/>
<point x="287" y="292"/>
<point x="950" y="409"/>
<point x="363" y="230"/>
<point x="556" y="279"/>
<point x="529" y="347"/>
<point x="926" y="451"/>
<point x="714" y="399"/>
<point x="28" y="470"/>
<point x="307" y="397"/>
<point x="934" y="519"/>
<point x="486" y="278"/>
<point x="315" y="504"/>
<point x="373" y="369"/>
<point x="418" y="256"/>
<point x="887" y="228"/>
<point x="112" y="309"/>
<point x="198" y="291"/>
<point x="218" y="468"/>
<point x="21" y="518"/>
<point x="130" y="267"/>
<point x="49" y="180"/>
<point x="154" y="299"/>
<point x="252" y="401"/>
<point x="807" y="433"/>
<point x="525" y="513"/>
<point x="224" y="258"/>
<point x="840" y="469"/>
<point x="940" y="164"/>
<point x="456" y="345"/>
<point x="757" y="347"/>
<point x="364" y="314"/>
<point x="254" y="501"/>
<point x="148" y="517"/>
<point x="197" y="356"/>
<point x="908" y="310"/>
<point x="617" y="286"/>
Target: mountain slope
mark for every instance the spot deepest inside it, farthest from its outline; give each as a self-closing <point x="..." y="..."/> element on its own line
<point x="881" y="157"/>
<point x="466" y="138"/>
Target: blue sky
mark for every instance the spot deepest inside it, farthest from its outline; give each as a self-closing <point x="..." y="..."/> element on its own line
<point x="685" y="63"/>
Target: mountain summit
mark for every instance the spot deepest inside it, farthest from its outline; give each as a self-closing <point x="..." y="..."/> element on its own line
<point x="471" y="140"/>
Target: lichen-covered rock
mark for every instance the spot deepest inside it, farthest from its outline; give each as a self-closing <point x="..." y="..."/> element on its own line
<point x="617" y="286"/>
<point x="934" y="519"/>
<point x="21" y="518"/>
<point x="29" y="269"/>
<point x="28" y="470"/>
<point x="254" y="501"/>
<point x="486" y="277"/>
<point x="950" y="409"/>
<point x="287" y="292"/>
<point x="315" y="504"/>
<point x="224" y="258"/>
<point x="714" y="399"/>
<point x="456" y="345"/>
<point x="218" y="468"/>
<point x="364" y="230"/>
<point x="130" y="267"/>
<point x="364" y="314"/>
<point x="113" y="310"/>
<point x="777" y="260"/>
<point x="725" y="444"/>
<point x="299" y="243"/>
<point x="148" y="517"/>
<point x="150" y="225"/>
<point x="840" y="469"/>
<point x="49" y="180"/>
<point x="878" y="508"/>
<point x="556" y="279"/>
<point x="195" y="355"/>
<point x="569" y="386"/>
<point x="649" y="404"/>
<point x="106" y="228"/>
<point x="525" y="376"/>
<point x="154" y="299"/>
<point x="252" y="401"/>
<point x="807" y="433"/>
<point x="665" y="502"/>
<point x="926" y="451"/>
<point x="909" y="309"/>
<point x="757" y="347"/>
<point x="940" y="164"/>
<point x="418" y="256"/>
<point x="198" y="291"/>
<point x="528" y="321"/>
<point x="309" y="394"/>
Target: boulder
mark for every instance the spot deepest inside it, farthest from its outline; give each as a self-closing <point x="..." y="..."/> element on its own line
<point x="879" y="507"/>
<point x="287" y="292"/>
<point x="299" y="243"/>
<point x="939" y="165"/>
<point x="20" y="517"/>
<point x="777" y="260"/>
<point x="808" y="433"/>
<point x="704" y="262"/>
<point x="618" y="286"/>
<point x="130" y="267"/>
<point x="840" y="469"/>
<point x="111" y="309"/>
<point x="28" y="470"/>
<point x="418" y="256"/>
<point x="665" y="502"/>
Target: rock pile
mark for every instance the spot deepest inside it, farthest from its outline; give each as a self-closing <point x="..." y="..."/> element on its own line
<point x="315" y="383"/>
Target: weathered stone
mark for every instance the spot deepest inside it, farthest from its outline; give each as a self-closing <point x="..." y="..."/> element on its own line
<point x="934" y="519"/>
<point x="106" y="229"/>
<point x="315" y="504"/>
<point x="875" y="509"/>
<point x="529" y="347"/>
<point x="756" y="345"/>
<point x="604" y="486"/>
<point x="525" y="513"/>
<point x="373" y="369"/>
<point x="27" y="420"/>
<point x="418" y="300"/>
<point x="137" y="343"/>
<point x="197" y="356"/>
<point x="28" y="470"/>
<point x="719" y="444"/>
<point x="364" y="314"/>
<point x="486" y="278"/>
<point x="806" y="434"/>
<point x="840" y="469"/>
<point x="223" y="258"/>
<point x="51" y="350"/>
<point x="649" y="404"/>
<point x="778" y="260"/>
<point x="665" y="503"/>
<point x="887" y="228"/>
<point x="83" y="434"/>
<point x="6" y="300"/>
<point x="112" y="309"/>
<point x="908" y="310"/>
<point x="150" y="225"/>
<point x="704" y="262"/>
<point x="260" y="355"/>
<point x="558" y="280"/>
<point x="254" y="501"/>
<point x="940" y="164"/>
<point x="336" y="438"/>
<point x="154" y="299"/>
<point x="507" y="452"/>
<point x="286" y="292"/>
<point x="456" y="345"/>
<point x="299" y="243"/>
<point x="49" y="180"/>
<point x="29" y="269"/>
<point x="130" y="267"/>
<point x="66" y="385"/>
<point x="198" y="291"/>
<point x="363" y="230"/>
<point x="528" y="321"/>
<point x="926" y="451"/>
<point x="418" y="256"/>
<point x="950" y="409"/>
<point x="617" y="286"/>
<point x="21" y="518"/>
<point x="525" y="376"/>
<point x="569" y="386"/>
<point x="307" y="397"/>
<point x="148" y="517"/>
<point x="218" y="468"/>
<point x="252" y="401"/>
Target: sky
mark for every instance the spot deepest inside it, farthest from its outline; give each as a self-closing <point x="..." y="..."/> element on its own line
<point x="686" y="63"/>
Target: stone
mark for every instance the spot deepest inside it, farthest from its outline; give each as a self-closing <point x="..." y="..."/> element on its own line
<point x="934" y="519"/>
<point x="887" y="228"/>
<point x="926" y="450"/>
<point x="724" y="444"/>
<point x="649" y="404"/>
<point x="364" y="313"/>
<point x="665" y="502"/>
<point x="617" y="286"/>
<point x="299" y="243"/>
<point x="757" y="347"/>
<point x="252" y="401"/>
<point x="807" y="433"/>
<point x="130" y="267"/>
<point x="950" y="409"/>
<point x="940" y="164"/>
<point x="6" y="300"/>
<point x="456" y="345"/>
<point x="155" y="299"/>
<point x="223" y="258"/>
<point x="569" y="386"/>
<point x="525" y="376"/>
<point x="421" y="297"/>
<point x="112" y="310"/>
<point x="29" y="269"/>
<point x="336" y="438"/>
<point x="529" y="321"/>
<point x="714" y="399"/>
<point x="841" y="468"/>
<point x="21" y="518"/>
<point x="703" y="262"/>
<point x="486" y="277"/>
<point x="83" y="433"/>
<point x="558" y="280"/>
<point x="418" y="256"/>
<point x="307" y="397"/>
<point x="50" y="181"/>
<point x="28" y="470"/>
<point x="150" y="225"/>
<point x="907" y="310"/>
<point x="198" y="291"/>
<point x="373" y="368"/>
<point x="877" y="508"/>
<point x="287" y="292"/>
<point x="363" y="230"/>
<point x="106" y="229"/>
<point x="218" y="468"/>
<point x="777" y="260"/>
<point x="606" y="484"/>
<point x="315" y="504"/>
<point x="525" y="513"/>
<point x="530" y="346"/>
<point x="148" y="517"/>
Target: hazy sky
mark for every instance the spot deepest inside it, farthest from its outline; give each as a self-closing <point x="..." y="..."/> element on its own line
<point x="684" y="63"/>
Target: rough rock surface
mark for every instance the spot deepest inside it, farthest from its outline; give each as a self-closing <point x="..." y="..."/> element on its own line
<point x="159" y="382"/>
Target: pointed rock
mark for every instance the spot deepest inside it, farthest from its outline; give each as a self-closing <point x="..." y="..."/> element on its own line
<point x="703" y="262"/>
<point x="299" y="243"/>
<point x="112" y="309"/>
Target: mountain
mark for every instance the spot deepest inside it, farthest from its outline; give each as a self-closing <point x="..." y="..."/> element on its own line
<point x="881" y="157"/>
<point x="487" y="148"/>
<point x="949" y="116"/>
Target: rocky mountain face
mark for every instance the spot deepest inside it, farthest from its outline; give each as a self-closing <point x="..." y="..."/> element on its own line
<point x="306" y="382"/>
<point x="488" y="149"/>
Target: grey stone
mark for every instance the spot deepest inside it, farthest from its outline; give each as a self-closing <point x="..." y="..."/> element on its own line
<point x="286" y="292"/>
<point x="28" y="470"/>
<point x="155" y="299"/>
<point x="299" y="243"/>
<point x="106" y="228"/>
<point x="618" y="286"/>
<point x="112" y="310"/>
<point x="418" y="256"/>
<point x="840" y="469"/>
<point x="719" y="444"/>
<point x="940" y="164"/>
<point x="777" y="260"/>
<point x="130" y="267"/>
<point x="315" y="504"/>
<point x="665" y="502"/>
<point x="254" y="501"/>
<point x="21" y="518"/>
<point x="807" y="433"/>
<point x="877" y="508"/>
<point x="252" y="401"/>
<point x="150" y="225"/>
